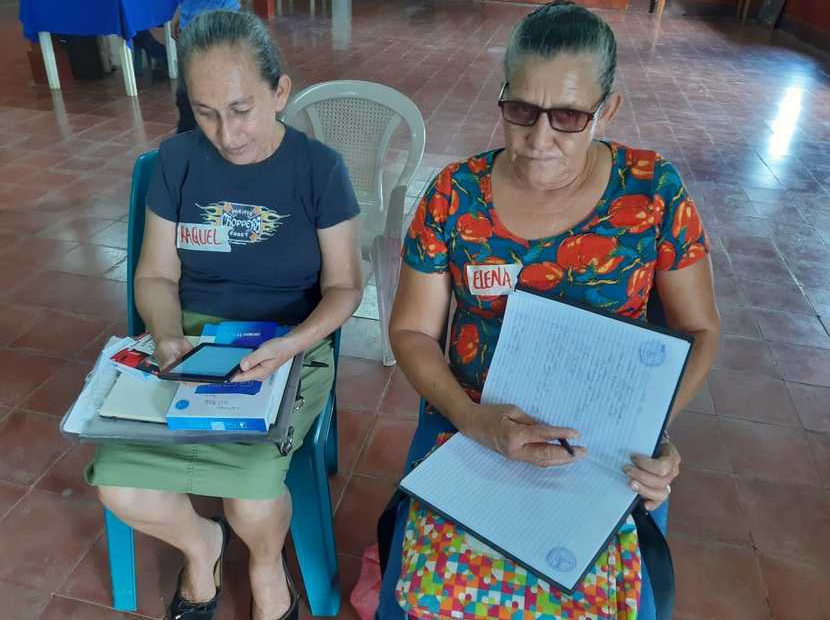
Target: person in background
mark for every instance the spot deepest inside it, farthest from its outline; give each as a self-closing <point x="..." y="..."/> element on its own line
<point x="187" y="12"/>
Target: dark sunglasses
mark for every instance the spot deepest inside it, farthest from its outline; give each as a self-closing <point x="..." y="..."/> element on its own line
<point x="526" y="114"/>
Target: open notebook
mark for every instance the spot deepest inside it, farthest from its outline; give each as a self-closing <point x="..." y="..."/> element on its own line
<point x="612" y="379"/>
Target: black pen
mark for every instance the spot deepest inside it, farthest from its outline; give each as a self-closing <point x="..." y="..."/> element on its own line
<point x="564" y="443"/>
<point x="315" y="364"/>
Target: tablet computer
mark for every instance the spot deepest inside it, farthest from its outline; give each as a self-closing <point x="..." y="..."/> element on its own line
<point x="207" y="363"/>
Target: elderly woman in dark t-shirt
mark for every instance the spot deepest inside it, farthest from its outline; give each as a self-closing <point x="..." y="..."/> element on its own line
<point x="250" y="220"/>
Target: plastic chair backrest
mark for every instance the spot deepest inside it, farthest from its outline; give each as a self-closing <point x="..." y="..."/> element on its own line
<point x="142" y="173"/>
<point x="357" y="119"/>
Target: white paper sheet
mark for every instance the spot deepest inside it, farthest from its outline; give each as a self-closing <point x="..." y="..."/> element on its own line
<point x="98" y="384"/>
<point x="610" y="380"/>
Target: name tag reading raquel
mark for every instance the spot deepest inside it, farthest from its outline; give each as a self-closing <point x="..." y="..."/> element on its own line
<point x="202" y="237"/>
<point x="493" y="279"/>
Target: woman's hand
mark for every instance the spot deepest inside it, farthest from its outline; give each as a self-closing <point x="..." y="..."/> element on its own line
<point x="265" y="360"/>
<point x="651" y="477"/>
<point x="168" y="350"/>
<point x="515" y="435"/>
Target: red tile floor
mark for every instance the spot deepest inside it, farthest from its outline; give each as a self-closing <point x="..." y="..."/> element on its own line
<point x="743" y="114"/>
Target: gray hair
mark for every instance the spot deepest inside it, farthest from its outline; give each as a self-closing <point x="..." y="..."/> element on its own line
<point x="231" y="28"/>
<point x="561" y="26"/>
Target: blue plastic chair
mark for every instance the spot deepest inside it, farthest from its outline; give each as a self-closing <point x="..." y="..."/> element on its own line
<point x="312" y="526"/>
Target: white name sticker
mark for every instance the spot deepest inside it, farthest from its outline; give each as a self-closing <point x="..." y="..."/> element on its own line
<point x="202" y="237"/>
<point x="488" y="280"/>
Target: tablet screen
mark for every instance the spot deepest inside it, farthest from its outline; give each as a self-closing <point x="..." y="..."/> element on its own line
<point x="210" y="361"/>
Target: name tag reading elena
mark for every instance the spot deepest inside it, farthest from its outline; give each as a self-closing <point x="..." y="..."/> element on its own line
<point x="488" y="280"/>
<point x="202" y="237"/>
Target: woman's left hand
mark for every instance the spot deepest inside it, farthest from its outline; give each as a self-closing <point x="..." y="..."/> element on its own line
<point x="651" y="478"/>
<point x="265" y="360"/>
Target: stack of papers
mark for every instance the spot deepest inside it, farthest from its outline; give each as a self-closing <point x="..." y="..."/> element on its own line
<point x="609" y="378"/>
<point x="124" y="385"/>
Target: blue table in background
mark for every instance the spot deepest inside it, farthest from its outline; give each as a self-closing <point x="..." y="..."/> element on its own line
<point x="123" y="18"/>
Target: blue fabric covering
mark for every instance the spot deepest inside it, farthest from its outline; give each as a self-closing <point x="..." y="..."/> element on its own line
<point x="94" y="17"/>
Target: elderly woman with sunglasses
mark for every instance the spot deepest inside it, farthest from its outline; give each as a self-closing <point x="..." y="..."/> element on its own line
<point x="559" y="211"/>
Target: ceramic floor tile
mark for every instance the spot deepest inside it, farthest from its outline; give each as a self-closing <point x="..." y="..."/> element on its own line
<point x="400" y="398"/>
<point x="803" y="533"/>
<point x="753" y="397"/>
<point x="15" y="320"/>
<point x="802" y="364"/>
<point x="52" y="290"/>
<point x="770" y="452"/>
<point x="61" y="334"/>
<point x="29" y="444"/>
<point x="702" y="402"/>
<point x="746" y="355"/>
<point x="12" y="276"/>
<point x="353" y="433"/>
<point x="717" y="581"/>
<point x="820" y="446"/>
<point x="157" y="566"/>
<point x="360" y="383"/>
<point x="55" y="396"/>
<point x="386" y="450"/>
<point x="88" y="260"/>
<point x="45" y="536"/>
<point x="10" y="494"/>
<point x="77" y="229"/>
<point x="793" y="329"/>
<point x="356" y="519"/>
<point x="693" y="512"/>
<point x="22" y="603"/>
<point x="792" y="589"/>
<point x="114" y="236"/>
<point x="60" y="608"/>
<point x="66" y="476"/>
<point x="35" y="251"/>
<point x="21" y="373"/>
<point x="762" y="269"/>
<point x="698" y="439"/>
<point x="813" y="405"/>
<point x="773" y="296"/>
<point x="736" y="321"/>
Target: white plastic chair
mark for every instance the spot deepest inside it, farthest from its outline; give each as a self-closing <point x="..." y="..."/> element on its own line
<point x="358" y="119"/>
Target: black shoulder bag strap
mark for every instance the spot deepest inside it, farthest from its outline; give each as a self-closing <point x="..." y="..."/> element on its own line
<point x="657" y="557"/>
<point x="386" y="528"/>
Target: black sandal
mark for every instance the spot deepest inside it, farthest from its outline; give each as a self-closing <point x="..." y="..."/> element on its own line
<point x="181" y="608"/>
<point x="293" y="612"/>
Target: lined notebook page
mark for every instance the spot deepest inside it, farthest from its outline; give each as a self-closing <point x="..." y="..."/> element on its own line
<point x="552" y="520"/>
<point x="565" y="366"/>
<point x="612" y="381"/>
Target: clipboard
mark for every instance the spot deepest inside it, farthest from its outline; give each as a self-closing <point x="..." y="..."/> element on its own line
<point x="444" y="502"/>
<point x="98" y="429"/>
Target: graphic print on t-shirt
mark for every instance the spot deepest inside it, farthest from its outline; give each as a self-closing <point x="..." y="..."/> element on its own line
<point x="244" y="223"/>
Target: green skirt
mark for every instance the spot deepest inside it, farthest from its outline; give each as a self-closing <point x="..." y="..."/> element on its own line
<point x="238" y="470"/>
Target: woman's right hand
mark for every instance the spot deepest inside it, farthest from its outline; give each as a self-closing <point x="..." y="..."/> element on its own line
<point x="168" y="350"/>
<point x="515" y="435"/>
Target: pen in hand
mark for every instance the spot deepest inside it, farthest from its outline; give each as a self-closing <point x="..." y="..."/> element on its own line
<point x="564" y="443"/>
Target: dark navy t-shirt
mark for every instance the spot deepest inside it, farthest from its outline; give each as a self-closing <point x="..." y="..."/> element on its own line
<point x="247" y="235"/>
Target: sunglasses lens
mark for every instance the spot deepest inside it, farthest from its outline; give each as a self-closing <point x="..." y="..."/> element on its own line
<point x="520" y="113"/>
<point x="572" y="121"/>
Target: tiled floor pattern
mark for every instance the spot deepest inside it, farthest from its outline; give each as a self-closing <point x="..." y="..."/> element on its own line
<point x="745" y="115"/>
